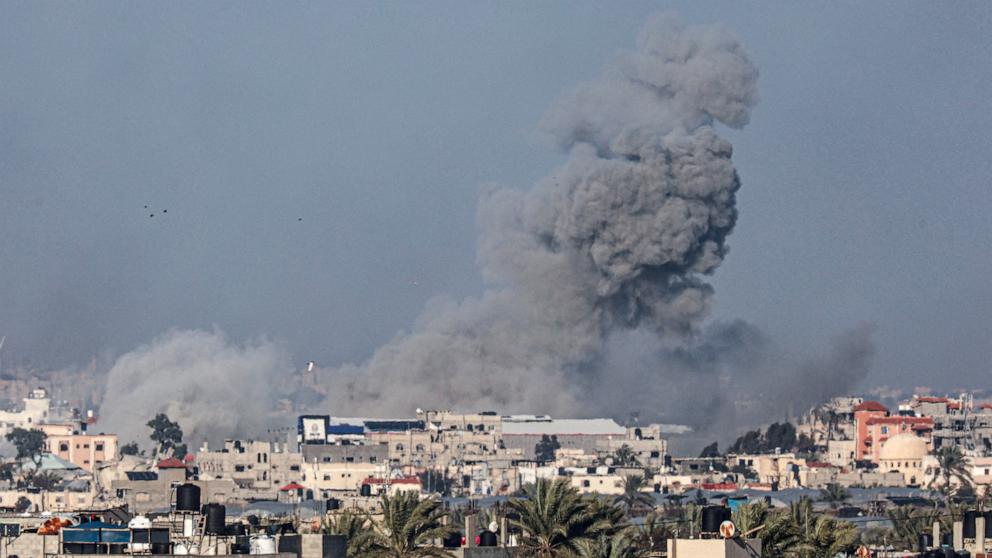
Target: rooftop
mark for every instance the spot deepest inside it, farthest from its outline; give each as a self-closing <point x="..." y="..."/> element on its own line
<point x="563" y="427"/>
<point x="871" y="406"/>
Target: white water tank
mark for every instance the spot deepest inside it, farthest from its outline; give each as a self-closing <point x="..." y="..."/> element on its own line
<point x="140" y="522"/>
<point x="262" y="544"/>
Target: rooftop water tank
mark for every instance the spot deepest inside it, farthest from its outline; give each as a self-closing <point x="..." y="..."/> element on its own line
<point x="188" y="497"/>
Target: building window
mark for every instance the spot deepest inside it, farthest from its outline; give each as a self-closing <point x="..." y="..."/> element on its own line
<point x="294" y="467"/>
<point x="99" y="447"/>
<point x="239" y="468"/>
<point x="885" y="430"/>
<point x="63" y="447"/>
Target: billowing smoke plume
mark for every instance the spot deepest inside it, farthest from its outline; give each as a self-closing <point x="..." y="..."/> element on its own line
<point x="597" y="290"/>
<point x="617" y="240"/>
<point x="213" y="388"/>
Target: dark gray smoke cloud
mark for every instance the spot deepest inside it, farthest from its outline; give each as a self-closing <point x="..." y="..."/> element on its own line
<point x="729" y="377"/>
<point x="619" y="239"/>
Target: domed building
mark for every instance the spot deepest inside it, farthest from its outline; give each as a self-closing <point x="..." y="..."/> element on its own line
<point x="904" y="453"/>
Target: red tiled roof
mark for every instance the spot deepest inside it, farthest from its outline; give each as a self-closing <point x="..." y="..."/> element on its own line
<point x="171" y="463"/>
<point x="927" y="399"/>
<point x="292" y="486"/>
<point x="871" y="406"/>
<point x="819" y="465"/>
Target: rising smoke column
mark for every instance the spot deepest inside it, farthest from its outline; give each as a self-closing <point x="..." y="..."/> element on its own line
<point x="618" y="239"/>
<point x="213" y="388"/>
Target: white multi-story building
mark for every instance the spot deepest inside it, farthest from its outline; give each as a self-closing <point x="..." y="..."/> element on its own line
<point x="37" y="406"/>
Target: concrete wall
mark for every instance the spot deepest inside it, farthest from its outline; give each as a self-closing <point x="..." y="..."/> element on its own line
<point x="29" y="545"/>
<point x="713" y="548"/>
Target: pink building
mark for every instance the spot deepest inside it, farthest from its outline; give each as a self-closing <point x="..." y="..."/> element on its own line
<point x="875" y="426"/>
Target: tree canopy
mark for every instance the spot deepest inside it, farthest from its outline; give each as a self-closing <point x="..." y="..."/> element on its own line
<point x="166" y="434"/>
<point x="30" y="444"/>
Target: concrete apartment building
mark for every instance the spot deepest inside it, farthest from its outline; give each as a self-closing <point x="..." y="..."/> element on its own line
<point x="438" y="439"/>
<point x="592" y="436"/>
<point x="258" y="469"/>
<point x="957" y="422"/>
<point x="150" y="491"/>
<point x="480" y="452"/>
<point x="84" y="450"/>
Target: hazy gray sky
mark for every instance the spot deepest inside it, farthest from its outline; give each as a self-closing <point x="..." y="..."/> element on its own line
<point x="866" y="168"/>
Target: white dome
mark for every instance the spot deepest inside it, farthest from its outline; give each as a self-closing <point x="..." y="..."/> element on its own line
<point x="904" y="447"/>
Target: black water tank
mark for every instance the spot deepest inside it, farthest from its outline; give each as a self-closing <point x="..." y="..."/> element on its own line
<point x="236" y="530"/>
<point x="712" y="517"/>
<point x="988" y="523"/>
<point x="241" y="545"/>
<point x="161" y="548"/>
<point x="215" y="519"/>
<point x="925" y="542"/>
<point x="969" y="523"/>
<point x="366" y="490"/>
<point x="333" y="504"/>
<point x="453" y="540"/>
<point x="188" y="497"/>
<point x="488" y="538"/>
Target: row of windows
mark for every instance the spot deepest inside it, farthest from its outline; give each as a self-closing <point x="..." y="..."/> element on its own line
<point x="65" y="446"/>
<point x="347" y="459"/>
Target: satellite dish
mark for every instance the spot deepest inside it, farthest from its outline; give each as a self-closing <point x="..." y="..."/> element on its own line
<point x="727" y="529"/>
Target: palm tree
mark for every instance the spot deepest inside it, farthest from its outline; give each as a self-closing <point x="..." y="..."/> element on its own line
<point x="555" y="518"/>
<point x="622" y="544"/>
<point x="827" y="537"/>
<point x="908" y="523"/>
<point x="750" y="516"/>
<point x="780" y="534"/>
<point x="653" y="534"/>
<point x="408" y="528"/>
<point x="951" y="465"/>
<point x="356" y="528"/>
<point x="633" y="496"/>
<point x="835" y="495"/>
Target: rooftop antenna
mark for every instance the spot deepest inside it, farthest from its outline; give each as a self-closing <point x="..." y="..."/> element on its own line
<point x="2" y="339"/>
